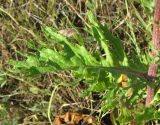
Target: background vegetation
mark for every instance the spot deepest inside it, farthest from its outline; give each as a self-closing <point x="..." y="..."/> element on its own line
<point x="38" y="79"/>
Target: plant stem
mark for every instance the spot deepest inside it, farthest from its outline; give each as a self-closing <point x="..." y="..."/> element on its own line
<point x="50" y="103"/>
<point x="156" y="33"/>
<point x="153" y="68"/>
<point x="152" y="74"/>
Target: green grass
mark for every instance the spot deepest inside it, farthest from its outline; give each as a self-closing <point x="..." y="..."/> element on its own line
<point x="44" y="74"/>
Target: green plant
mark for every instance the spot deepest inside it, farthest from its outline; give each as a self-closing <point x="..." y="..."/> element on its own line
<point x="148" y="5"/>
<point x="100" y="70"/>
<point x="3" y="79"/>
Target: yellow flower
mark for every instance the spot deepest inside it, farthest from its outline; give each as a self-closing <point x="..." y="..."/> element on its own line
<point x="123" y="80"/>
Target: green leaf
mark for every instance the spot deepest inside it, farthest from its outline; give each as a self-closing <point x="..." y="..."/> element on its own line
<point x="146" y="115"/>
<point x="32" y="61"/>
<point x="72" y="49"/>
<point x="112" y="46"/>
<point x="124" y="116"/>
<point x="3" y="79"/>
<point x="56" y="57"/>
